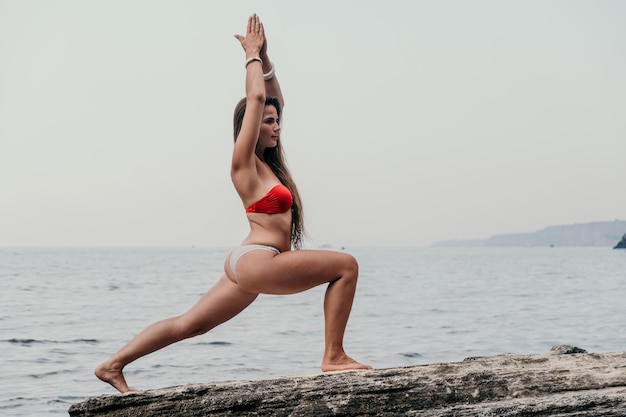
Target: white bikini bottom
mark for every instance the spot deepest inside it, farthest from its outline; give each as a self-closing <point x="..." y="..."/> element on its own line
<point x="242" y="250"/>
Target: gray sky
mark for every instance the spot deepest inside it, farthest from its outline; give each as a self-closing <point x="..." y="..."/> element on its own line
<point x="406" y="122"/>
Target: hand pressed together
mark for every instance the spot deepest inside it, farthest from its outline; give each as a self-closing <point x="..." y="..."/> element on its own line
<point x="254" y="41"/>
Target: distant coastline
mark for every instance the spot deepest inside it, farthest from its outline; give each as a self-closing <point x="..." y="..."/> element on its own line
<point x="603" y="233"/>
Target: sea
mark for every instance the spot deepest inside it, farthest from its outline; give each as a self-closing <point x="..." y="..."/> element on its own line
<point x="65" y="310"/>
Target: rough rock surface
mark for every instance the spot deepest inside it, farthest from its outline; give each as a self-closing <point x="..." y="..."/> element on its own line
<point x="566" y="381"/>
<point x="621" y="244"/>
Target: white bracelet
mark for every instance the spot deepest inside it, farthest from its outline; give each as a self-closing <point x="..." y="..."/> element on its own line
<point x="270" y="74"/>
<point x="252" y="59"/>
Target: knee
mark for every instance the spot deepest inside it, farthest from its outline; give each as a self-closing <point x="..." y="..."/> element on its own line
<point x="351" y="267"/>
<point x="189" y="328"/>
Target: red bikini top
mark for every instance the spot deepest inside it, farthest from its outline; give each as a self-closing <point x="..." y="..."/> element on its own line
<point x="277" y="200"/>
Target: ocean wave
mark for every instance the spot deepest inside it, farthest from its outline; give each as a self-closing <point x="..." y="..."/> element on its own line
<point x="217" y="343"/>
<point x="52" y="373"/>
<point x="29" y="342"/>
<point x="412" y="355"/>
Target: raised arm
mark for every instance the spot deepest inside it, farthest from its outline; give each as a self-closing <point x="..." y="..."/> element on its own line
<point x="272" y="88"/>
<point x="243" y="153"/>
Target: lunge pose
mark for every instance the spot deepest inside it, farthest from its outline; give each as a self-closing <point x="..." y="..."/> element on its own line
<point x="265" y="262"/>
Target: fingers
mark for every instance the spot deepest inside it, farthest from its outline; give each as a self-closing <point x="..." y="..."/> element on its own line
<point x="255" y="32"/>
<point x="254" y="25"/>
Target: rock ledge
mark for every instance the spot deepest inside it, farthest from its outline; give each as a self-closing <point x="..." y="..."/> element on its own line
<point x="566" y="381"/>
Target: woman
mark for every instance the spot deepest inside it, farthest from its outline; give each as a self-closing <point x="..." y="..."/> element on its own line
<point x="264" y="263"/>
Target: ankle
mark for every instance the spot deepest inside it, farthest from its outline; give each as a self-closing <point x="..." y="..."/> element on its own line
<point x="334" y="353"/>
<point x="111" y="365"/>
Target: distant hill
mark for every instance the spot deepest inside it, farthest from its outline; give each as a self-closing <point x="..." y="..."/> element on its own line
<point x="579" y="234"/>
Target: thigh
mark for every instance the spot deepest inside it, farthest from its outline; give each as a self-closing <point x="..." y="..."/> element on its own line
<point x="221" y="303"/>
<point x="293" y="271"/>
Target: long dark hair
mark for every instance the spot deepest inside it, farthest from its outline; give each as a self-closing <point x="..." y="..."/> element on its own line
<point x="275" y="158"/>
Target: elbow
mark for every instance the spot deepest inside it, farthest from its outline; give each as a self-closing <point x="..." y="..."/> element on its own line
<point x="256" y="96"/>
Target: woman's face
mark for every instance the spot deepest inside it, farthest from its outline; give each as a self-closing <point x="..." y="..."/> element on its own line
<point x="270" y="128"/>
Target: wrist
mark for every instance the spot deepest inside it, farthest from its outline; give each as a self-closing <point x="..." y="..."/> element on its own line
<point x="267" y="64"/>
<point x="252" y="59"/>
<point x="270" y="73"/>
<point x="253" y="53"/>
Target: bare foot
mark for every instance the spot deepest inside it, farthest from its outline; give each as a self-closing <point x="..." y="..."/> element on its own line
<point x="342" y="363"/>
<point x="113" y="375"/>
